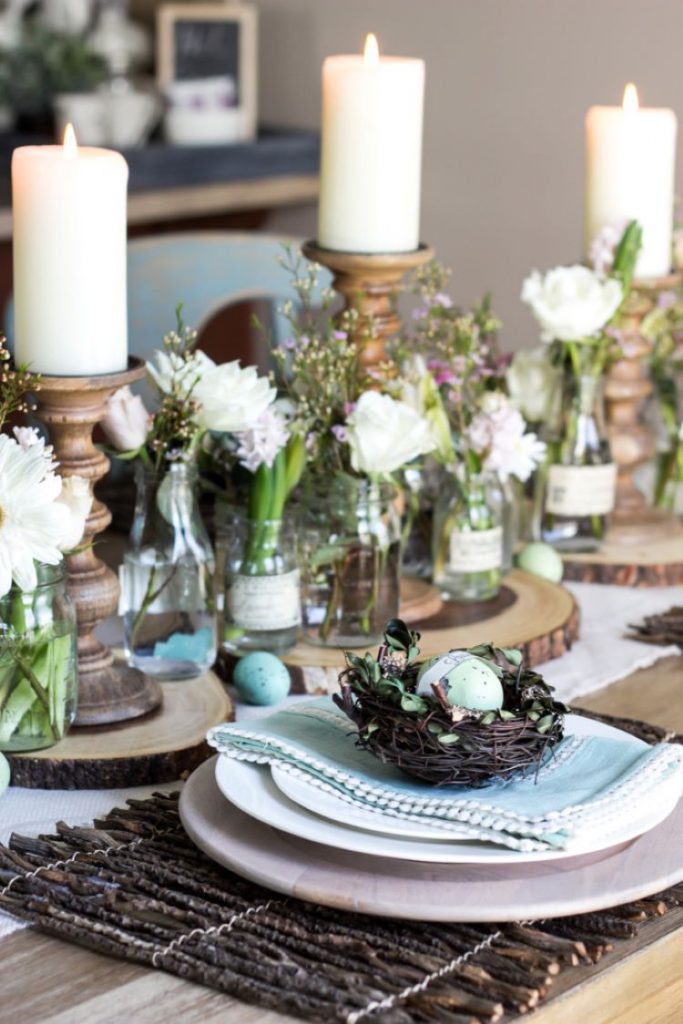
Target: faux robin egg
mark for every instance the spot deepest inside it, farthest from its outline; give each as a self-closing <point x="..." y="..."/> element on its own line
<point x="261" y="678"/>
<point x="541" y="560"/>
<point x="469" y="681"/>
<point x="4" y="773"/>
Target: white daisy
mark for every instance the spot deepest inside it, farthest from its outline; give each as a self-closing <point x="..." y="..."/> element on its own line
<point x="32" y="522"/>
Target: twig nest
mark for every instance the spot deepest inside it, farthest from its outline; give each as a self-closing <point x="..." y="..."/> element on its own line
<point x="463" y="719"/>
<point x="466" y="681"/>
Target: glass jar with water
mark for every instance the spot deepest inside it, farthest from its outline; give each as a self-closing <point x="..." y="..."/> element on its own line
<point x="167" y="588"/>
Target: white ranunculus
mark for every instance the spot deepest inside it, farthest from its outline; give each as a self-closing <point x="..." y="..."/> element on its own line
<point x="532" y="381"/>
<point x="571" y="303"/>
<point x="167" y="369"/>
<point x="77" y="497"/>
<point x="385" y="434"/>
<point x="126" y="421"/>
<point x="231" y="398"/>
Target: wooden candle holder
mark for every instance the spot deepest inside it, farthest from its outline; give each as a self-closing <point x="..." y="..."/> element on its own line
<point x="108" y="690"/>
<point x="632" y="442"/>
<point x="370" y="283"/>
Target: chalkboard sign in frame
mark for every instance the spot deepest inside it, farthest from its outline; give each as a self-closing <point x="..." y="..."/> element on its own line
<point x="203" y="40"/>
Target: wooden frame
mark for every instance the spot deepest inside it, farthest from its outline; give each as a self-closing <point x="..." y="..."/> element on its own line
<point x="169" y="15"/>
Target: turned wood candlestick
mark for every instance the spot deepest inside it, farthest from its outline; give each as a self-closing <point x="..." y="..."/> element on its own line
<point x="370" y="283"/>
<point x="108" y="690"/>
<point x="632" y="442"/>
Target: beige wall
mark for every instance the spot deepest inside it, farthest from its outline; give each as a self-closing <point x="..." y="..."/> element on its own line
<point x="508" y="83"/>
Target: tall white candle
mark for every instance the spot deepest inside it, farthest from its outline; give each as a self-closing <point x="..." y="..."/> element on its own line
<point x="630" y="168"/>
<point x="371" y="152"/>
<point x="69" y="213"/>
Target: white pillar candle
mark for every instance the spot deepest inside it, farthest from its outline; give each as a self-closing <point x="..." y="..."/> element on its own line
<point x="630" y="168"/>
<point x="69" y="214"/>
<point x="371" y="152"/>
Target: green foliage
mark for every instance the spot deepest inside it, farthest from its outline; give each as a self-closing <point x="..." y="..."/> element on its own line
<point x="45" y="64"/>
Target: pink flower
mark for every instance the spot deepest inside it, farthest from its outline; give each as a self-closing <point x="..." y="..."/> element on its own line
<point x="260" y="445"/>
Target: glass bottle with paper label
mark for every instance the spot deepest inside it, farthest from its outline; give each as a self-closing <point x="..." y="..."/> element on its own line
<point x="468" y="538"/>
<point x="257" y="562"/>
<point x="579" y="480"/>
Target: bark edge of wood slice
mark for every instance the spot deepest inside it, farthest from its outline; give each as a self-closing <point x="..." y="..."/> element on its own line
<point x="657" y="563"/>
<point x="163" y="746"/>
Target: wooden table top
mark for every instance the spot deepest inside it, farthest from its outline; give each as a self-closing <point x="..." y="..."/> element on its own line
<point x="52" y="982"/>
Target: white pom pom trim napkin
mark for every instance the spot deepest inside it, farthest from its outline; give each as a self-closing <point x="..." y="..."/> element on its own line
<point x="588" y="784"/>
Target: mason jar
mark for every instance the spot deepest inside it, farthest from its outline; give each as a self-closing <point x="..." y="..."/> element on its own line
<point x="38" y="665"/>
<point x="349" y="556"/>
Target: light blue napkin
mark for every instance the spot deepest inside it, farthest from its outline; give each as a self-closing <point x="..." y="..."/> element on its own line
<point x="587" y="784"/>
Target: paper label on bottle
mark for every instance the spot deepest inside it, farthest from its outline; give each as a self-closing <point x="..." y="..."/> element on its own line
<point x="581" y="490"/>
<point x="265" y="602"/>
<point x="476" y="550"/>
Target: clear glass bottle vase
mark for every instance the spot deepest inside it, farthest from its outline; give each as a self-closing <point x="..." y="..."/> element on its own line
<point x="257" y="562"/>
<point x="38" y="668"/>
<point x="167" y="578"/>
<point x="468" y="539"/>
<point x="579" y="479"/>
<point x="350" y="559"/>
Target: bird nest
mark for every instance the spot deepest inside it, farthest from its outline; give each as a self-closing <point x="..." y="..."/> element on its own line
<point x="432" y="740"/>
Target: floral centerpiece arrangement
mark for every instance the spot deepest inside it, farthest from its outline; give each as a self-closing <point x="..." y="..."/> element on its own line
<point x="578" y="309"/>
<point x="167" y="576"/>
<point x="358" y="433"/>
<point x="42" y="516"/>
<point x="460" y="719"/>
<point x="485" y="445"/>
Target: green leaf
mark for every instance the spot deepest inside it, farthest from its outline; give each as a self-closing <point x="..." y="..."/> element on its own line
<point x="435" y="728"/>
<point x="411" y="702"/>
<point x="449" y="739"/>
<point x="489" y="717"/>
<point x="506" y="715"/>
<point x="545" y="724"/>
<point x="513" y="655"/>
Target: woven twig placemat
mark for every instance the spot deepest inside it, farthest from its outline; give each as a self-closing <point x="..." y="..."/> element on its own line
<point x="134" y="886"/>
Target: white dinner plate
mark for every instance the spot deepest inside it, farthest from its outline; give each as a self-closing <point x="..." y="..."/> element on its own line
<point x="329" y="805"/>
<point x="252" y="790"/>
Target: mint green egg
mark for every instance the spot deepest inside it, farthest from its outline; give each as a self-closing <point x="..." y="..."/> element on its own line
<point x="469" y="681"/>
<point x="4" y="773"/>
<point x="261" y="678"/>
<point x="541" y="560"/>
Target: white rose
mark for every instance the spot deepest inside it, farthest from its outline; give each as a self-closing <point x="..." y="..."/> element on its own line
<point x="167" y="369"/>
<point x="126" y="421"/>
<point x="231" y="398"/>
<point x="385" y="434"/>
<point x="77" y="497"/>
<point x="532" y="381"/>
<point x="571" y="303"/>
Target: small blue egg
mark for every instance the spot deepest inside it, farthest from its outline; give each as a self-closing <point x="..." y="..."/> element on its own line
<point x="261" y="678"/>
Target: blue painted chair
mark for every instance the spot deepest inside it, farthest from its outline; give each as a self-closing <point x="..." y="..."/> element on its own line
<point x="207" y="272"/>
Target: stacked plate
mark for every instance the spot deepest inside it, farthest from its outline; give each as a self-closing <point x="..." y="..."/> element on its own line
<point x="282" y="829"/>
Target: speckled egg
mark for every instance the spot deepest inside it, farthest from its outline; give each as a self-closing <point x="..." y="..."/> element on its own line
<point x="261" y="678"/>
<point x="469" y="681"/>
<point x="541" y="560"/>
<point x="4" y="773"/>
